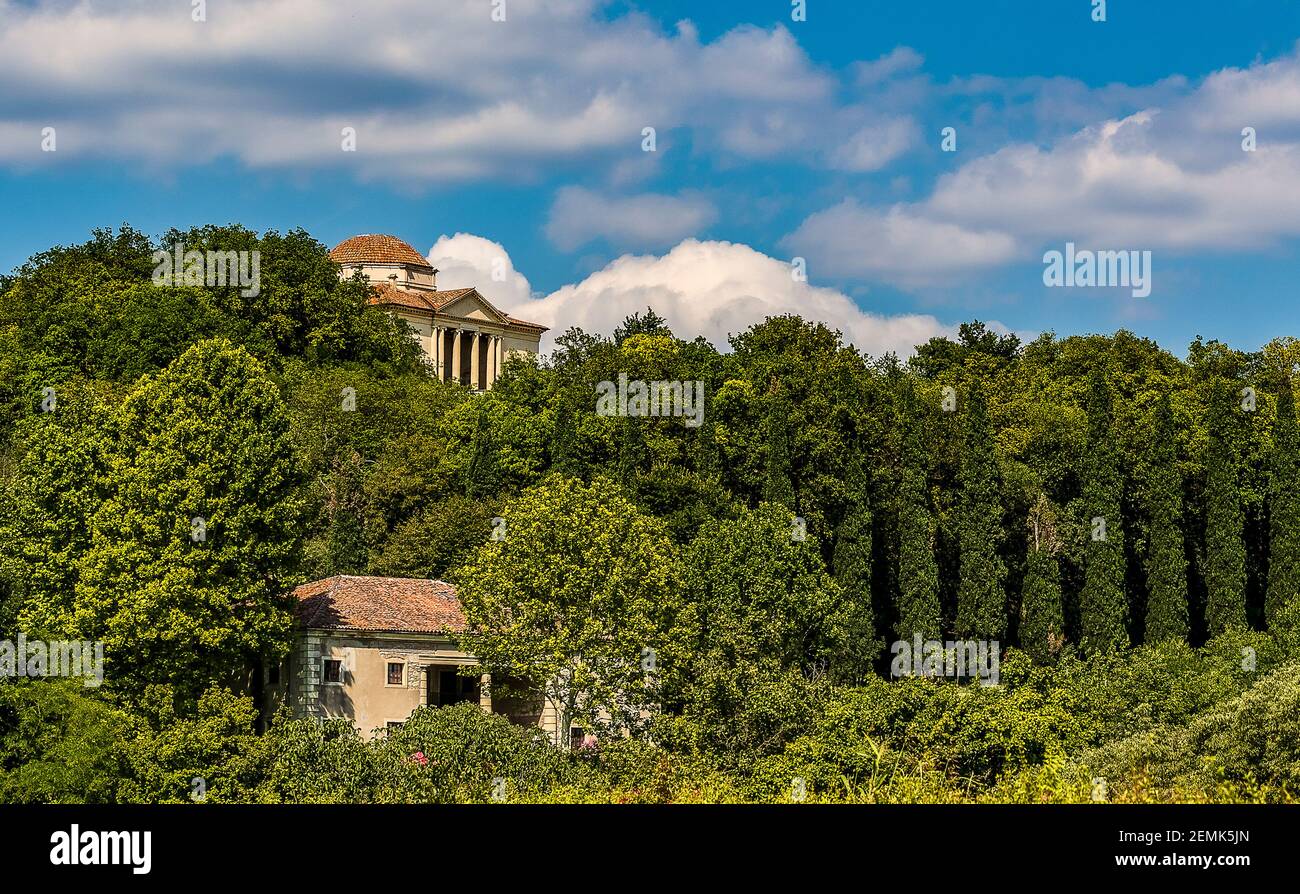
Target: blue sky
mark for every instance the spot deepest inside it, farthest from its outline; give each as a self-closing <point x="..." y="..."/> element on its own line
<point x="520" y="141"/>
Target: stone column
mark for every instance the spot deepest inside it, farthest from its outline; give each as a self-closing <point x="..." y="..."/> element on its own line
<point x="437" y="351"/>
<point x="491" y="360"/>
<point x="501" y="353"/>
<point x="455" y="355"/>
<point x="475" y="351"/>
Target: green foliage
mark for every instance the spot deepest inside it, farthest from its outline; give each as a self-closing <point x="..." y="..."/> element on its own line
<point x="918" y="572"/>
<point x="437" y="539"/>
<point x="59" y="744"/>
<point x="464" y="753"/>
<point x="572" y="597"/>
<point x="174" y="600"/>
<point x="1167" y="605"/>
<point x="1225" y="552"/>
<point x="761" y="615"/>
<point x="671" y="600"/>
<point x="981" y="599"/>
<point x="1102" y="604"/>
<point x="1042" y="622"/>
<point x="211" y="755"/>
<point x="1282" y="606"/>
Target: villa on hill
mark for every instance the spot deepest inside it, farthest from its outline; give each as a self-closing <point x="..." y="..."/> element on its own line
<point x="461" y="334"/>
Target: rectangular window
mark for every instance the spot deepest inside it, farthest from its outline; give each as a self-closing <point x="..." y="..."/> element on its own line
<point x="333" y="670"/>
<point x="396" y="673"/>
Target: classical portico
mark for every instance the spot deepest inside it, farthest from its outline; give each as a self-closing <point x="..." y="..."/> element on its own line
<point x="462" y="335"/>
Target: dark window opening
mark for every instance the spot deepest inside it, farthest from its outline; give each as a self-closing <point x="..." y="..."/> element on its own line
<point x="333" y="670"/>
<point x="452" y="688"/>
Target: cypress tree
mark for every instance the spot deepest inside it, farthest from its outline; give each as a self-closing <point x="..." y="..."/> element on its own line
<point x="777" y="484"/>
<point x="1166" y="560"/>
<point x="851" y="565"/>
<point x="981" y="599"/>
<point x="1282" y="603"/>
<point x="1042" y="625"/>
<point x="564" y="459"/>
<point x="918" y="572"/>
<point x="1225" y="548"/>
<point x="482" y="475"/>
<point x="1103" y="606"/>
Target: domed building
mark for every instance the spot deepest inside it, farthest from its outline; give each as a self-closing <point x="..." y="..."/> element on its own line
<point x="462" y="335"/>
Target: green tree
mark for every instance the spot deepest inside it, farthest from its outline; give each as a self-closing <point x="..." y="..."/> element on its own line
<point x="1225" y="550"/>
<point x="851" y="565"/>
<point x="981" y="598"/>
<point x="437" y="538"/>
<point x="1103" y="605"/>
<point x="574" y="600"/>
<point x="763" y="621"/>
<point x="1042" y="626"/>
<point x="482" y="475"/>
<point x="46" y="529"/>
<point x="778" y="485"/>
<point x="1282" y="603"/>
<point x="193" y="548"/>
<point x="1166" y="560"/>
<point x="918" y="572"/>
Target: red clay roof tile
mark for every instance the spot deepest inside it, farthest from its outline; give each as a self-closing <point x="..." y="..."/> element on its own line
<point x="387" y="604"/>
<point x="375" y="249"/>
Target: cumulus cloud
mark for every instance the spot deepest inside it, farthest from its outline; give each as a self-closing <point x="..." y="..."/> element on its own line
<point x="716" y="289"/>
<point x="648" y="220"/>
<point x="465" y="260"/>
<point x="436" y="92"/>
<point x="1174" y="178"/>
<point x="901" y="244"/>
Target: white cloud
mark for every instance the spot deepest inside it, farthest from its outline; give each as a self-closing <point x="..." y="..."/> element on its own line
<point x="465" y="260"/>
<point x="437" y="92"/>
<point x="1171" y="178"/>
<point x="876" y="145"/>
<point x="898" y="61"/>
<point x="716" y="289"/>
<point x="899" y="244"/>
<point x="648" y="220"/>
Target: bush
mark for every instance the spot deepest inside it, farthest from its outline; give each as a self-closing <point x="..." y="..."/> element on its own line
<point x="461" y="752"/>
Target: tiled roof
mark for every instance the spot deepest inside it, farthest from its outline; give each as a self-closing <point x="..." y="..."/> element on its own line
<point x="422" y="299"/>
<point x="371" y="249"/>
<point x="383" y="604"/>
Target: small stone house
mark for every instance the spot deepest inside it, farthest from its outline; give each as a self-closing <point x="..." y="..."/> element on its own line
<point x="373" y="649"/>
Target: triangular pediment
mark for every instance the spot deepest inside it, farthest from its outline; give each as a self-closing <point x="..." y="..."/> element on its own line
<point x="472" y="306"/>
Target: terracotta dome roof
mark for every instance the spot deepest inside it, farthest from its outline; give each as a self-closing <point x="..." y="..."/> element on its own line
<point x="369" y="249"/>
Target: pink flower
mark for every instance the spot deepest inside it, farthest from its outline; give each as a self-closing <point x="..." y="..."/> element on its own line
<point x="420" y="759"/>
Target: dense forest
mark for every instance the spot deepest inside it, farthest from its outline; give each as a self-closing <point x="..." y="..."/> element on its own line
<point x="1123" y="523"/>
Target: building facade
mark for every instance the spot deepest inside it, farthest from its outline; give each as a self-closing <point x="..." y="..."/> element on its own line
<point x="462" y="335"/>
<point x="373" y="649"/>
